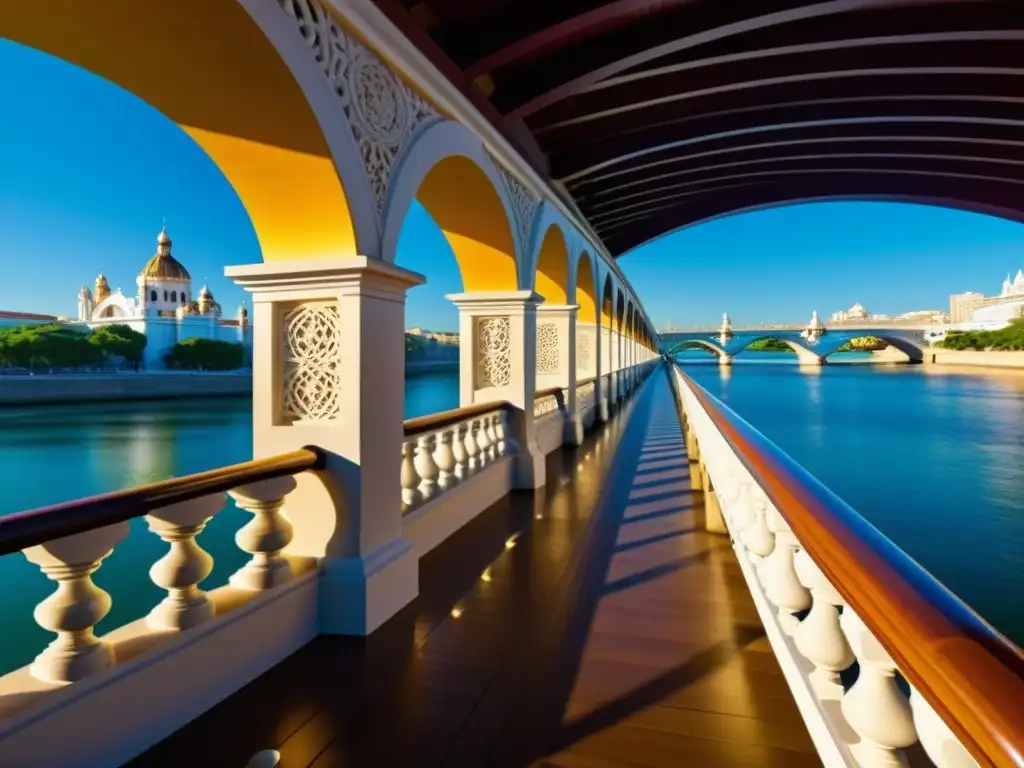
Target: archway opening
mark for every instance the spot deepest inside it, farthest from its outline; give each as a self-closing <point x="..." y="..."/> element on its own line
<point x="553" y="267"/>
<point x="586" y="290"/>
<point x="457" y="233"/>
<point x="875" y="349"/>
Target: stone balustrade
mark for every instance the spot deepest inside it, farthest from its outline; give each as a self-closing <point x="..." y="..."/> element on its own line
<point x="443" y="450"/>
<point x="823" y="610"/>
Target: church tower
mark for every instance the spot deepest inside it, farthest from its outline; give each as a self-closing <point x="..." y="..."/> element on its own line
<point x="85" y="304"/>
<point x="102" y="288"/>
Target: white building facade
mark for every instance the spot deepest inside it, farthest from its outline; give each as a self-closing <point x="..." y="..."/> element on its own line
<point x="164" y="308"/>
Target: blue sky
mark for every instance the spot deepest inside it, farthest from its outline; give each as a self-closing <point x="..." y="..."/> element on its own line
<point x="87" y="172"/>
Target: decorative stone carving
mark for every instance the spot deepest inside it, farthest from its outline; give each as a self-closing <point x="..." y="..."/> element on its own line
<point x="583" y="352"/>
<point x="383" y="111"/>
<point x="493" y="352"/>
<point x="312" y="354"/>
<point x="545" y="406"/>
<point x="547" y="348"/>
<point x="524" y="205"/>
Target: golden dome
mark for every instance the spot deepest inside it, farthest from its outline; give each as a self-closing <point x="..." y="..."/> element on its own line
<point x="163" y="266"/>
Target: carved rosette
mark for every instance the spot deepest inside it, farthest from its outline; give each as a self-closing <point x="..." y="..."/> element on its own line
<point x="312" y="356"/>
<point x="524" y="205"/>
<point x="547" y="348"/>
<point x="493" y="352"/>
<point x="382" y="110"/>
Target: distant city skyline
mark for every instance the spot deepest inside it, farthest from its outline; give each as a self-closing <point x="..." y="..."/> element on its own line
<point x="78" y="194"/>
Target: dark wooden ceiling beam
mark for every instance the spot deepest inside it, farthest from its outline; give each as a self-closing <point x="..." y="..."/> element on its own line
<point x="572" y="31"/>
<point x="639" y="101"/>
<point x="981" y="197"/>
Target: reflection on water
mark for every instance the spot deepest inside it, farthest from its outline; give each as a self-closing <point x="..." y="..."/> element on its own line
<point x="934" y="457"/>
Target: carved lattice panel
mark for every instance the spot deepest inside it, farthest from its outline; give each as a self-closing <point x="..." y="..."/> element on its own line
<point x="311" y="346"/>
<point x="493" y="352"/>
<point x="583" y="353"/>
<point x="547" y="348"/>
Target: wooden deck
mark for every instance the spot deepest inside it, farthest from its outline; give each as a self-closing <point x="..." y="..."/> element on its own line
<point x="610" y="631"/>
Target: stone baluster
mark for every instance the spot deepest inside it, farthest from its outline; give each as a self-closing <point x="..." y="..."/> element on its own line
<point x="265" y="535"/>
<point x="444" y="457"/>
<point x="426" y="468"/>
<point x="778" y="574"/>
<point x="473" y="462"/>
<point x="483" y="442"/>
<point x="757" y="540"/>
<point x="492" y="434"/>
<point x="410" y="478"/>
<point x="77" y="605"/>
<point x="874" y="706"/>
<point x="944" y="749"/>
<point x="819" y="637"/>
<point x="742" y="510"/>
<point x="186" y="564"/>
<point x="459" y="451"/>
<point x="501" y="432"/>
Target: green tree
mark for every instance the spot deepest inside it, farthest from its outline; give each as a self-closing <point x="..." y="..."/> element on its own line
<point x="770" y="345"/>
<point x="51" y="346"/>
<point x="863" y="344"/>
<point x="1009" y="338"/>
<point x="205" y="355"/>
<point x="119" y="340"/>
<point x="414" y="346"/>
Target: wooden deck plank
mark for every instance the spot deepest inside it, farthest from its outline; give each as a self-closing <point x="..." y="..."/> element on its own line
<point x="615" y="632"/>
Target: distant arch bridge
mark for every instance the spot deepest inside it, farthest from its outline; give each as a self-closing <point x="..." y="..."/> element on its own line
<point x="910" y="341"/>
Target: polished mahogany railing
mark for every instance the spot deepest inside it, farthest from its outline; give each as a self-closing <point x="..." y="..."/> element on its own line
<point x="970" y="674"/>
<point x="21" y="530"/>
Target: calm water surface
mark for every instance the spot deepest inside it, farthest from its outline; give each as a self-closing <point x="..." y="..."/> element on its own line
<point x="936" y="461"/>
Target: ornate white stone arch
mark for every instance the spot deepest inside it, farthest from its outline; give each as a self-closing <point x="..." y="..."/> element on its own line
<point x="367" y="113"/>
<point x="431" y="145"/>
<point x="545" y="217"/>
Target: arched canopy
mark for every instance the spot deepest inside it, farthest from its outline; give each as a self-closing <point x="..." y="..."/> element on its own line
<point x="586" y="289"/>
<point x="447" y="170"/>
<point x="553" y="267"/>
<point x="607" y="303"/>
<point x="655" y="115"/>
<point x="248" y="91"/>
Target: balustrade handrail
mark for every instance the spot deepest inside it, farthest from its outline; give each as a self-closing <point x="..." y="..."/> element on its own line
<point x="971" y="674"/>
<point x="549" y="392"/>
<point x="21" y="530"/>
<point x="583" y="382"/>
<point x="435" y="421"/>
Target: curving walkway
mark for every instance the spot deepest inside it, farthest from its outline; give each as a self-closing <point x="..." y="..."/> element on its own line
<point x="594" y="624"/>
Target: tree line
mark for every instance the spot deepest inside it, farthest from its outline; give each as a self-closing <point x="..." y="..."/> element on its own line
<point x="54" y="346"/>
<point x="1009" y="338"/>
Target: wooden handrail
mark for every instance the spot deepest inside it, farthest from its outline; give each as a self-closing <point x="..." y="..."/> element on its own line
<point x="581" y="382"/>
<point x="37" y="526"/>
<point x="540" y="394"/>
<point x="435" y="421"/>
<point x="971" y="674"/>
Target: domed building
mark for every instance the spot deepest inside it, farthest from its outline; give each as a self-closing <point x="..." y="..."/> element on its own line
<point x="164" y="307"/>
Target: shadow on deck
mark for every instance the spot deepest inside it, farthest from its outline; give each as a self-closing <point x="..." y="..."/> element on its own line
<point x="592" y="624"/>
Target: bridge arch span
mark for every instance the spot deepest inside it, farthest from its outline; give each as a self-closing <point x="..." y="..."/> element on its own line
<point x="245" y="86"/>
<point x="913" y="351"/>
<point x="709" y="346"/>
<point x="803" y="353"/>
<point x="448" y="171"/>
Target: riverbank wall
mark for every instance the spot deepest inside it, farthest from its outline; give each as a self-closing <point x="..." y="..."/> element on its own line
<point x="42" y="390"/>
<point x="982" y="359"/>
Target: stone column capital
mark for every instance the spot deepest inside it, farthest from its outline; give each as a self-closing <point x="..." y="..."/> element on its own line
<point x="274" y="281"/>
<point x="490" y="302"/>
<point x="565" y="309"/>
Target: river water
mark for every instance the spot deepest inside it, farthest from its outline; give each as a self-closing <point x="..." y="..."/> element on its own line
<point x="935" y="460"/>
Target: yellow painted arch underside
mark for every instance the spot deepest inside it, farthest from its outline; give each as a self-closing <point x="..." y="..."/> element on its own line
<point x="208" y="67"/>
<point x="553" y="267"/>
<point x="465" y="205"/>
<point x="585" y="291"/>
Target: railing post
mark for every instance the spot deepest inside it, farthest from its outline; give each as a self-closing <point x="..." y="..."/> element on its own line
<point x="328" y="370"/>
<point x="498" y="361"/>
<point x="604" y="381"/>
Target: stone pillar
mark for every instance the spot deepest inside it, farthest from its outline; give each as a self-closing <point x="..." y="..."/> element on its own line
<point x="498" y="361"/>
<point x="557" y="361"/>
<point x="328" y="370"/>
<point x="604" y="392"/>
